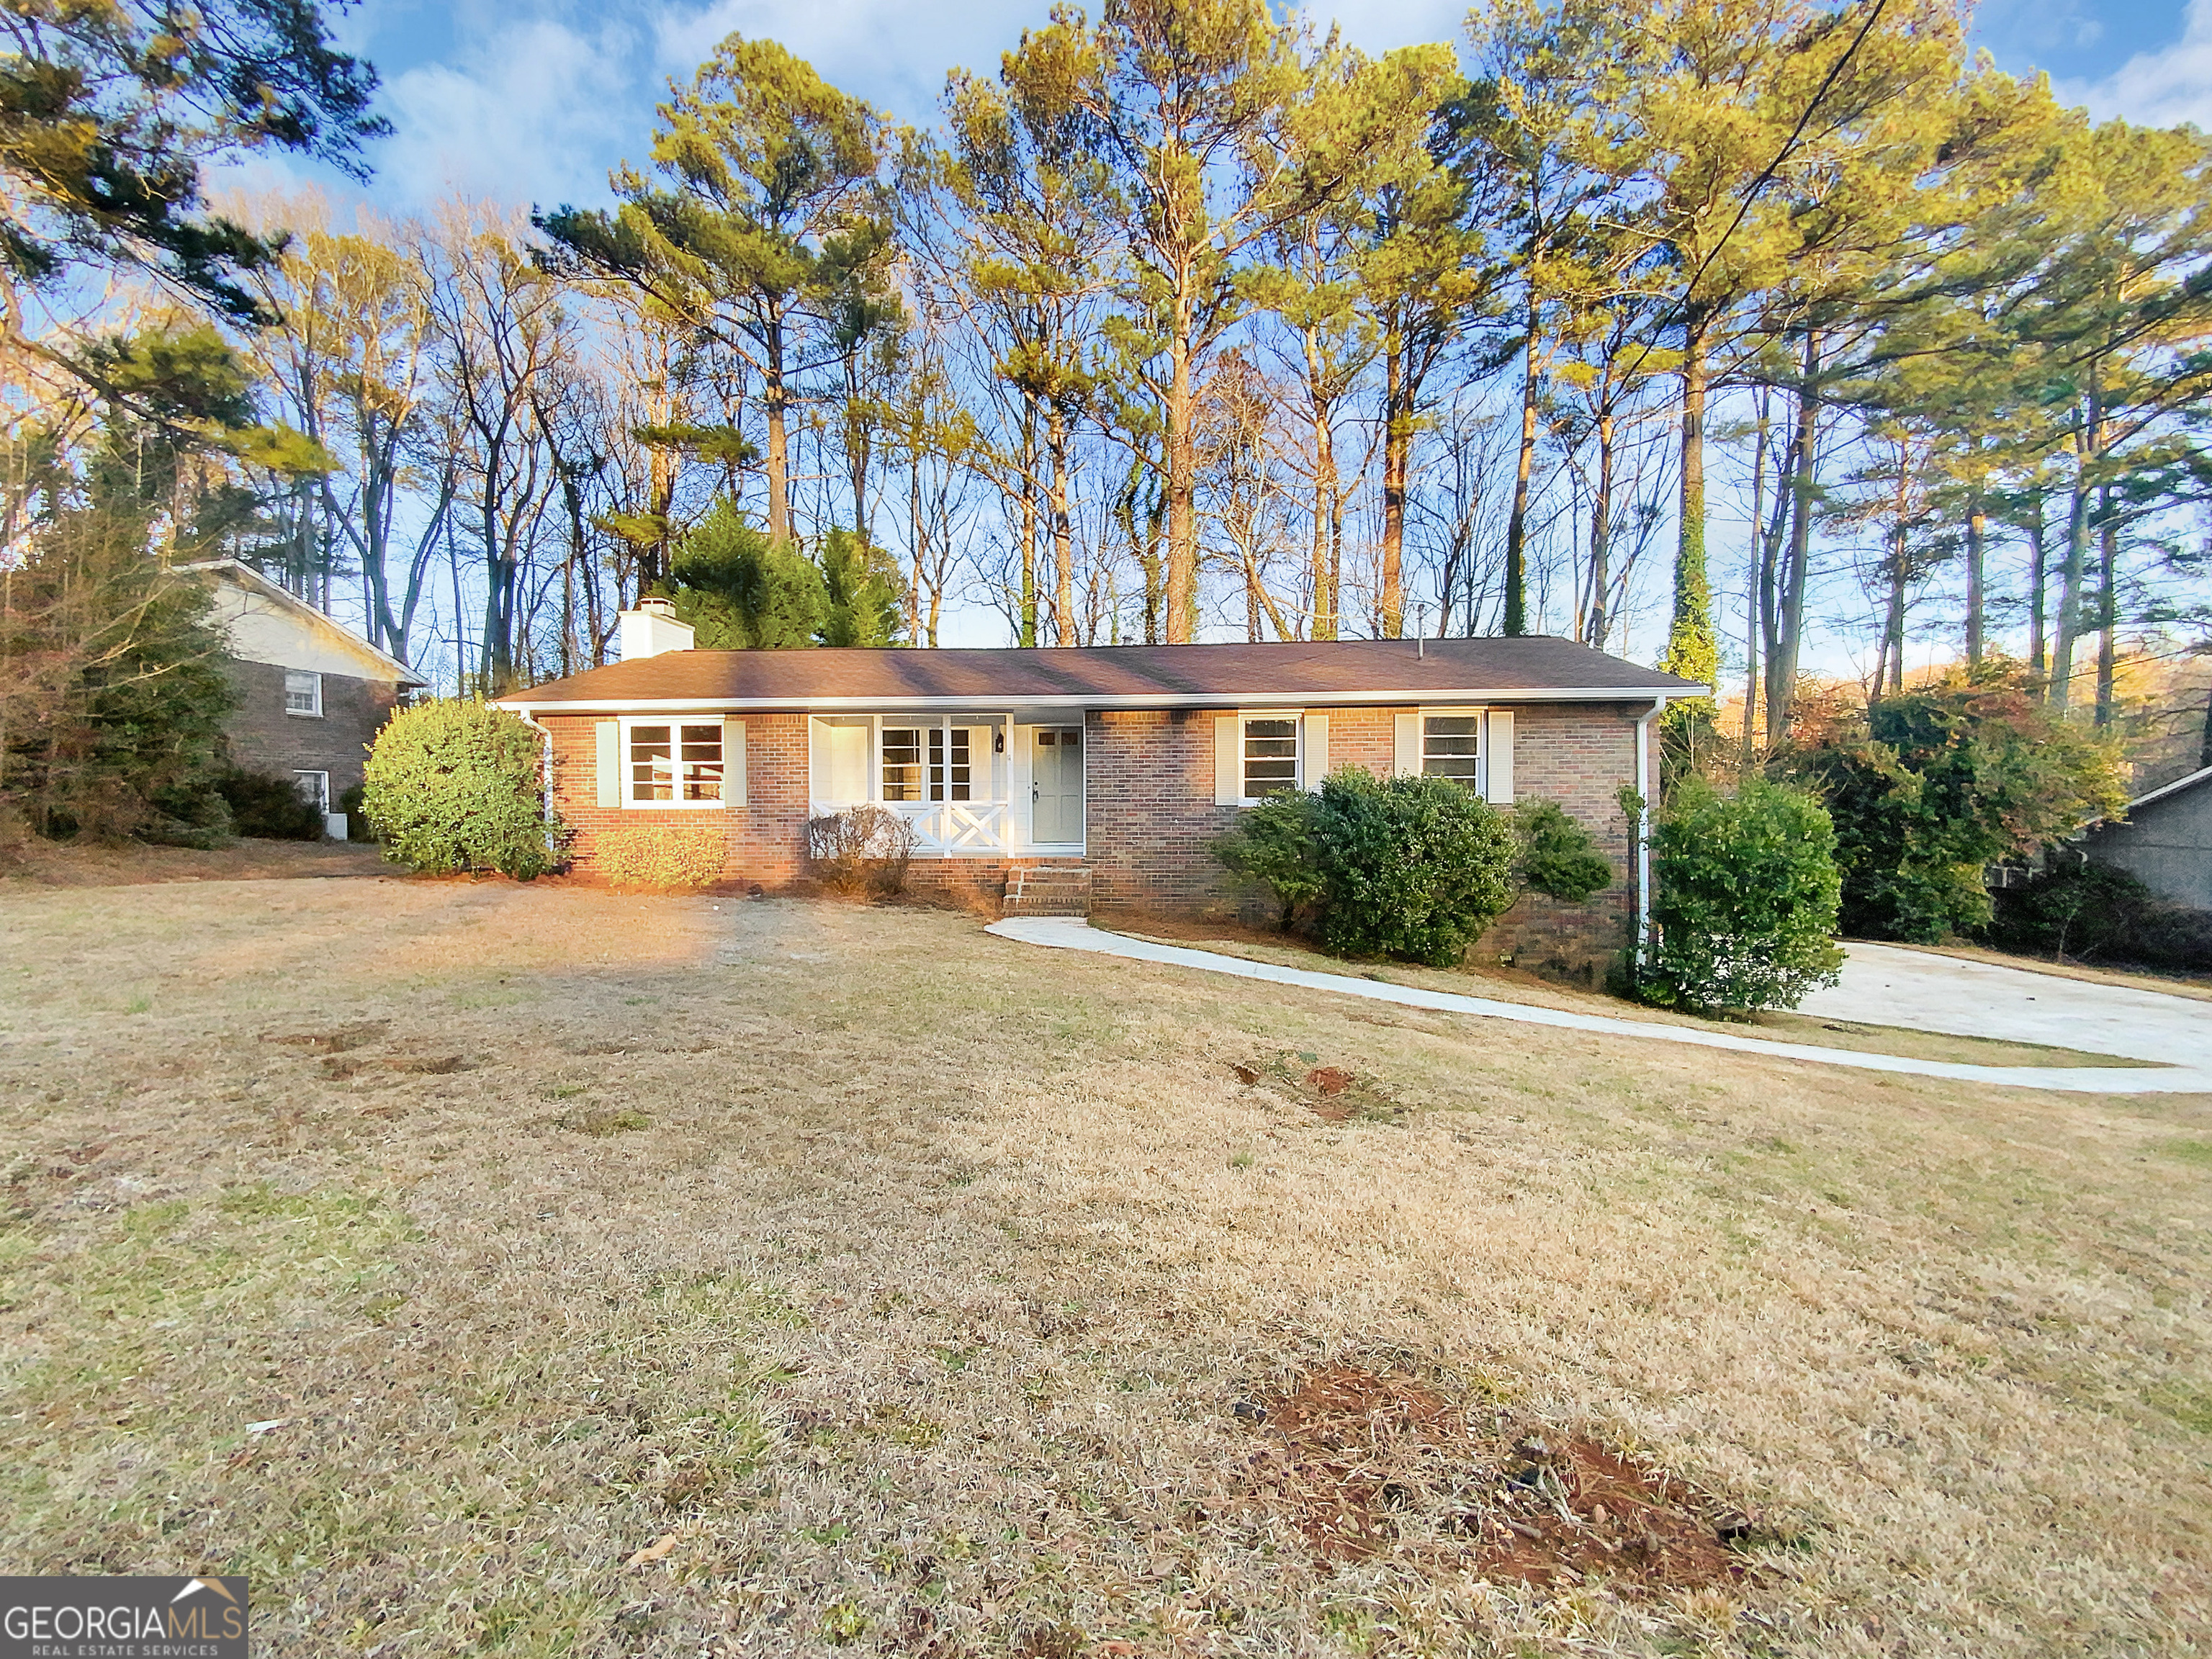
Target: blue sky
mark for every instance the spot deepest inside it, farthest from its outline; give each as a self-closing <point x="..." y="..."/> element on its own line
<point x="533" y="100"/>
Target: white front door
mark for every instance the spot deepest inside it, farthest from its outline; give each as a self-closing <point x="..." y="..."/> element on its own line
<point x="1056" y="786"/>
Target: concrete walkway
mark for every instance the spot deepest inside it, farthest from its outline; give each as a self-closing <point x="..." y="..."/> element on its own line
<point x="2193" y="1076"/>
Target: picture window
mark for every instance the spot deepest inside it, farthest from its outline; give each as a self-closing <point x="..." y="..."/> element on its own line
<point x="676" y="764"/>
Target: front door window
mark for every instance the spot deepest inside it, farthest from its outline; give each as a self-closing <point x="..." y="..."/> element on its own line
<point x="1056" y="786"/>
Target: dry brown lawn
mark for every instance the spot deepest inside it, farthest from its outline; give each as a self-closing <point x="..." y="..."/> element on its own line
<point x="487" y="1269"/>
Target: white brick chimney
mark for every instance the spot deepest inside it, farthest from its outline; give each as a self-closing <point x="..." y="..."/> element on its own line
<point x="650" y="630"/>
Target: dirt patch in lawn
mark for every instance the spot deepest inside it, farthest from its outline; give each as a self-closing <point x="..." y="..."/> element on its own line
<point x="1366" y="1463"/>
<point x="1332" y="1093"/>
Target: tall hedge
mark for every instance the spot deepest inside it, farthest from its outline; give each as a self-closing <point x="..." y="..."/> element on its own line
<point x="454" y="785"/>
<point x="1747" y="892"/>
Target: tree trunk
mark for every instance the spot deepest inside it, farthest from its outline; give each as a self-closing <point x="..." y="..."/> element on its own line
<point x="775" y="401"/>
<point x="1328" y="503"/>
<point x="1782" y="660"/>
<point x="1397" y="446"/>
<point x="1692" y="649"/>
<point x="1976" y="529"/>
<point x="2038" y="582"/>
<point x="1516" y="523"/>
<point x="1893" y="630"/>
<point x="2069" y="590"/>
<point x="2108" y="603"/>
<point x="1181" y="479"/>
<point x="1028" y="522"/>
<point x="856" y="447"/>
<point x="1063" y="527"/>
<point x="1601" y="537"/>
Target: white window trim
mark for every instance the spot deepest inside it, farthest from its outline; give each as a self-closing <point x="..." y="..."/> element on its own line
<point x="1479" y="713"/>
<point x="322" y="798"/>
<point x="315" y="713"/>
<point x="1297" y="720"/>
<point x="677" y="721"/>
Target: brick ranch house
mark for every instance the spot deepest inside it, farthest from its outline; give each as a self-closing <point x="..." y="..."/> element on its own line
<point x="1071" y="778"/>
<point x="312" y="694"/>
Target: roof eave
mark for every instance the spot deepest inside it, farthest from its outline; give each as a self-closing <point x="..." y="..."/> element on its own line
<point x="1090" y="700"/>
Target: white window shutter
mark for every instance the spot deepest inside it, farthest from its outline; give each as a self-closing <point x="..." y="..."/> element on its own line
<point x="818" y="762"/>
<point x="1228" y="760"/>
<point x="733" y="763"/>
<point x="1313" y="764"/>
<point x="610" y="780"/>
<point x="1498" y="763"/>
<point x="1406" y="763"/>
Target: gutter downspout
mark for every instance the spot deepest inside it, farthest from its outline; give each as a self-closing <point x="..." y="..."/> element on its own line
<point x="1644" y="829"/>
<point x="544" y="768"/>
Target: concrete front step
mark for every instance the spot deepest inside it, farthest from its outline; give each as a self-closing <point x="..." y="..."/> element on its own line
<point x="1047" y="890"/>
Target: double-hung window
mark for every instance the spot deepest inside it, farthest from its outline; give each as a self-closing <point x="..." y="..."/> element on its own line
<point x="1451" y="747"/>
<point x="926" y="762"/>
<point x="1271" y="756"/>
<point x="673" y="763"/>
<point x="303" y="693"/>
<point x="950" y="777"/>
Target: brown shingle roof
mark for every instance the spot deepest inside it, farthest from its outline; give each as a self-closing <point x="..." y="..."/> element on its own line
<point x="1123" y="676"/>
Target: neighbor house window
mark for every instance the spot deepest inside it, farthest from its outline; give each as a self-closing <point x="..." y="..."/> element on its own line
<point x="1451" y="747"/>
<point x="1271" y="757"/>
<point x="314" y="788"/>
<point x="303" y="693"/>
<point x="674" y="763"/>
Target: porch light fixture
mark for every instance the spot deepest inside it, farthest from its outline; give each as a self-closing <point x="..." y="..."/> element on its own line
<point x="998" y="740"/>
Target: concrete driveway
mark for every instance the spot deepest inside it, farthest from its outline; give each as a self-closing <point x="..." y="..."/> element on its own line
<point x="1885" y="985"/>
<point x="1887" y="1000"/>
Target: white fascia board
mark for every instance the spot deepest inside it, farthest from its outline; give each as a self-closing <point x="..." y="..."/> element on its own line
<point x="2173" y="789"/>
<point x="1426" y="694"/>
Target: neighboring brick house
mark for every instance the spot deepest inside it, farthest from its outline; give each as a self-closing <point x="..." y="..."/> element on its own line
<point x="311" y="695"/>
<point x="1078" y="778"/>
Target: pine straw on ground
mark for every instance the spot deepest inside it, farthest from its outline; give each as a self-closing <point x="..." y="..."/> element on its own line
<point x="485" y="1269"/>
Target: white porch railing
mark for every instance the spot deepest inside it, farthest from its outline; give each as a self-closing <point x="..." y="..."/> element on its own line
<point x="949" y="828"/>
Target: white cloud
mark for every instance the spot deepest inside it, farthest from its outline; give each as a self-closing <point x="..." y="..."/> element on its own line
<point x="2160" y="88"/>
<point x="528" y="112"/>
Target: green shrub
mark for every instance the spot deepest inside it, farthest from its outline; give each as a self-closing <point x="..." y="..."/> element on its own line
<point x="1929" y="787"/>
<point x="354" y="803"/>
<point x="2094" y="911"/>
<point x="1276" y="842"/>
<point x="269" y="808"/>
<point x="1413" y="868"/>
<point x="1558" y="857"/>
<point x="1747" y="892"/>
<point x="453" y="785"/>
<point x="662" y="857"/>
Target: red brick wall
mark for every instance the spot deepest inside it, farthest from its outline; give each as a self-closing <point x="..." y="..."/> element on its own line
<point x="1151" y="816"/>
<point x="265" y="738"/>
<point x="764" y="836"/>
